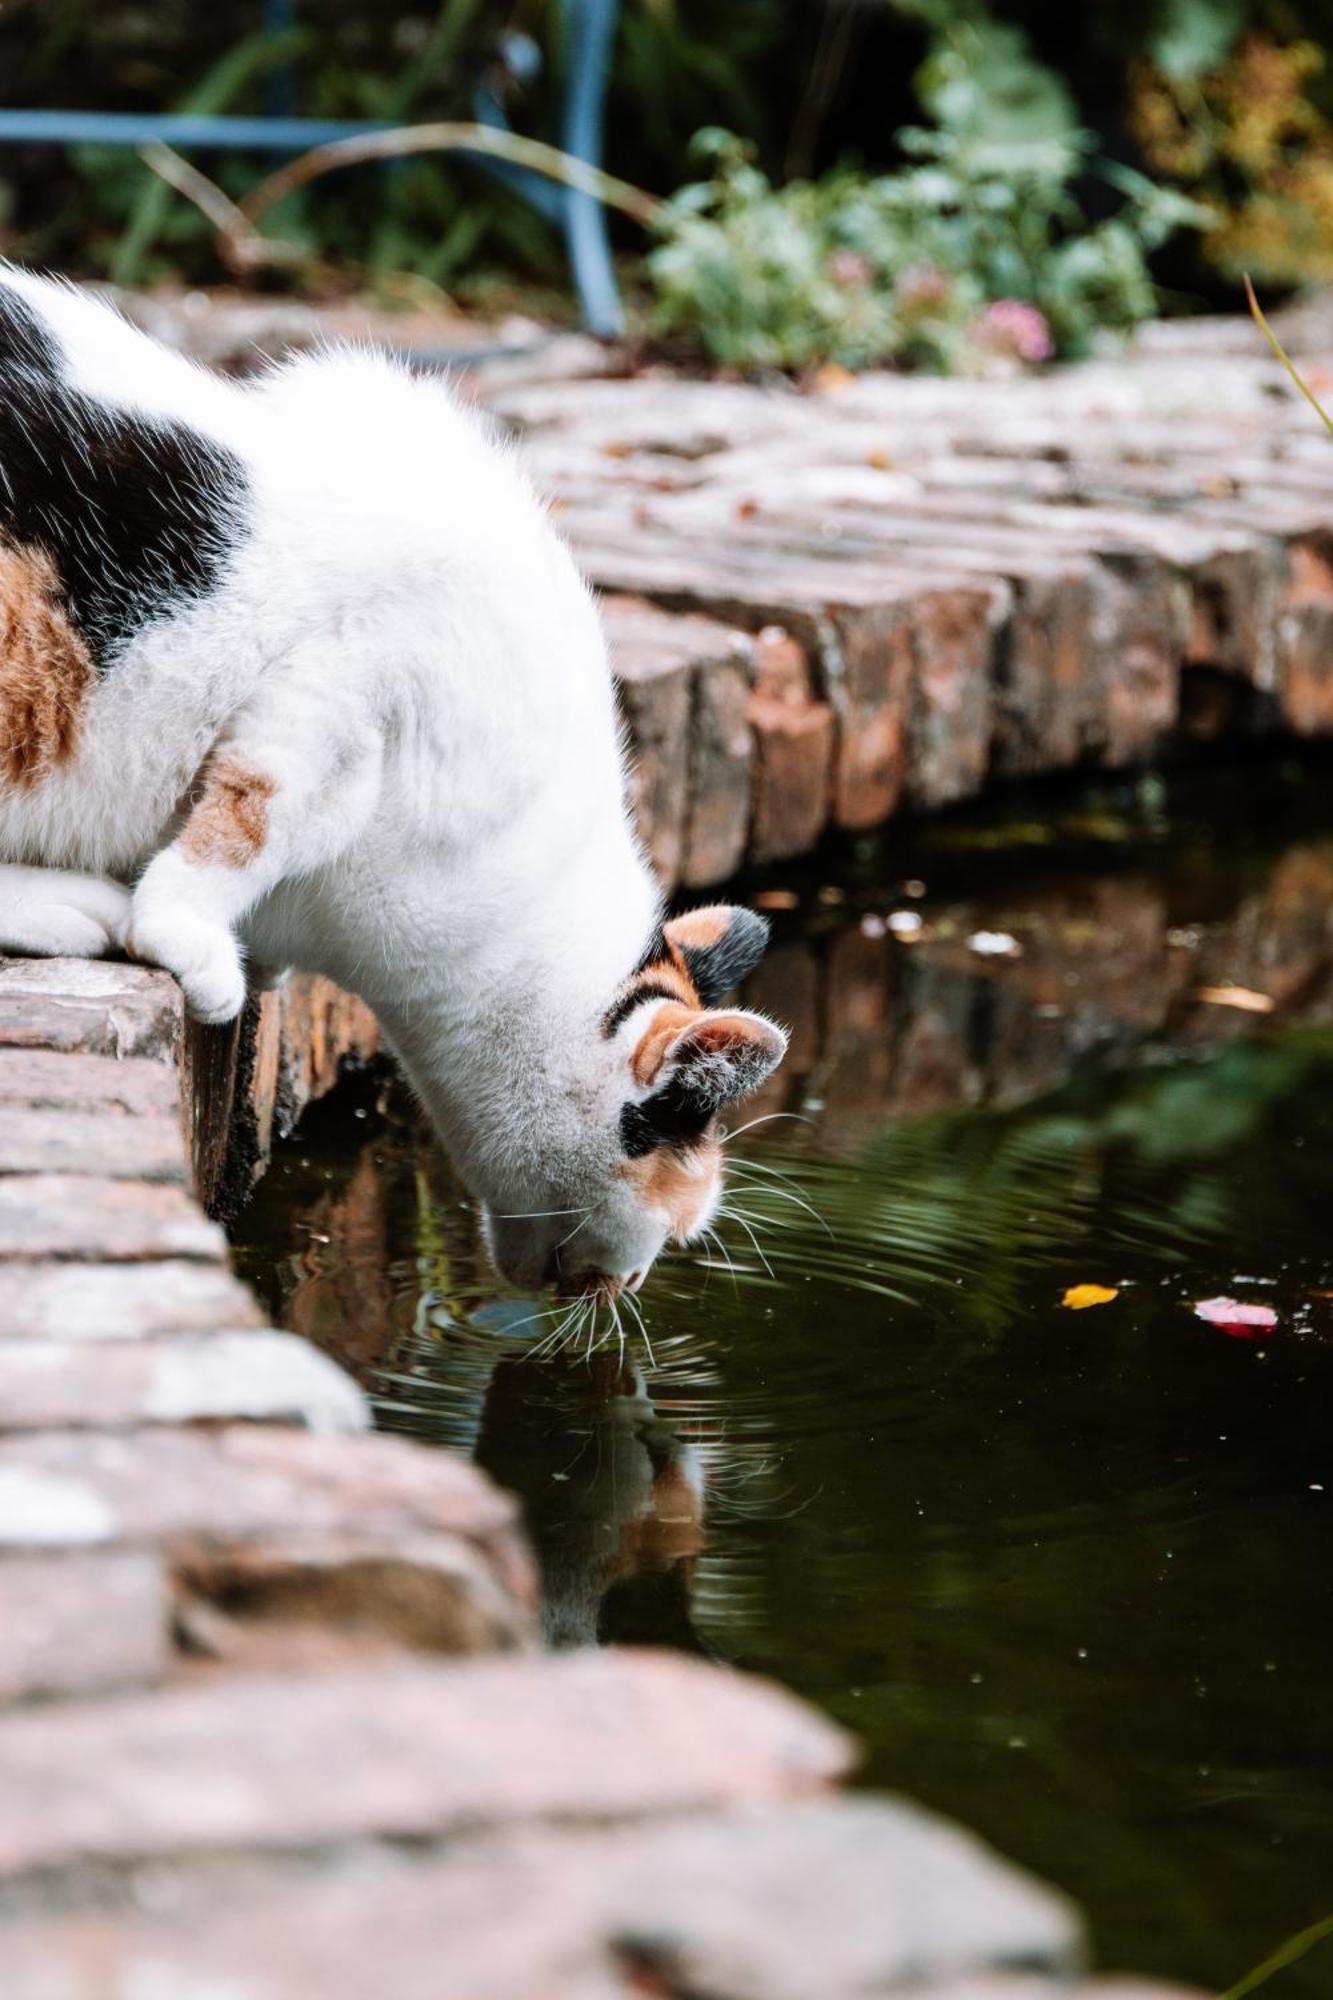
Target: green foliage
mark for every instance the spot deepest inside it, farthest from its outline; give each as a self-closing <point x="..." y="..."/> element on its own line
<point x="903" y="266"/>
<point x="100" y="210"/>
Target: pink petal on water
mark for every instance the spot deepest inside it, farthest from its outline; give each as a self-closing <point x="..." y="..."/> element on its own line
<point x="1231" y="1316"/>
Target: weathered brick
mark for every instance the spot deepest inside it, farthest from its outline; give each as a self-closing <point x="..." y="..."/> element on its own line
<point x="683" y="422"/>
<point x="90" y="1005"/>
<point x="793" y="749"/>
<point x="78" y="1301"/>
<point x="274" y="1763"/>
<point x="256" y="1375"/>
<point x="825" y="1900"/>
<point x="251" y="1483"/>
<point x="654" y="682"/>
<point x="92" y="1142"/>
<point x="658" y="715"/>
<point x="47" y="1080"/>
<point x="85" y="1217"/>
<point x="952" y="705"/>
<point x="79" y="1623"/>
<point x="1044" y="675"/>
<point x="721" y="775"/>
<point x="682" y="682"/>
<point x="1305" y="637"/>
<point x="862" y="616"/>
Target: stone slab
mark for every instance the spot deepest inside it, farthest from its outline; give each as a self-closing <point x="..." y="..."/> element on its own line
<point x="237" y="1484"/>
<point x="405" y="1751"/>
<point x="52" y="1080"/>
<point x="86" y="1302"/>
<point x="258" y="1376"/>
<point x="93" y="1005"/>
<point x="80" y="1623"/>
<point x="814" y="1901"/>
<point x="147" y="1148"/>
<point x="87" y="1217"/>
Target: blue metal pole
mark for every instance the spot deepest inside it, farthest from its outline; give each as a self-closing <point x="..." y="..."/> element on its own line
<point x="590" y="27"/>
<point x="280" y="90"/>
<point x="185" y="131"/>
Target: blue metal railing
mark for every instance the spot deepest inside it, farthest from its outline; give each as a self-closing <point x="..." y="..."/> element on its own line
<point x="590" y="33"/>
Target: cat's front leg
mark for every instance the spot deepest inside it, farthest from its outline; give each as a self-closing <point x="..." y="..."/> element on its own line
<point x="280" y="797"/>
<point x="56" y="913"/>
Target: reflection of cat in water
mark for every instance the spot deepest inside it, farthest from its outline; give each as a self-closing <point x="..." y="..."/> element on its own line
<point x="613" y="1499"/>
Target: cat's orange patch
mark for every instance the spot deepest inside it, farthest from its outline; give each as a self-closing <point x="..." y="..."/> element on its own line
<point x="229" y="824"/>
<point x="668" y="1021"/>
<point x="700" y="930"/>
<point x="679" y="1184"/>
<point x="46" y="671"/>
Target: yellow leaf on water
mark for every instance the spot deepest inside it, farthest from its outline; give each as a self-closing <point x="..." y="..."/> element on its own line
<point x="1079" y="1297"/>
<point x="1243" y="997"/>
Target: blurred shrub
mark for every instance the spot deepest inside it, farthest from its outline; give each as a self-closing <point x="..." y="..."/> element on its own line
<point x="1248" y="134"/>
<point x="977" y="251"/>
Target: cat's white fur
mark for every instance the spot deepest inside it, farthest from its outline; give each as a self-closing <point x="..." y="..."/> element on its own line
<point x="404" y="647"/>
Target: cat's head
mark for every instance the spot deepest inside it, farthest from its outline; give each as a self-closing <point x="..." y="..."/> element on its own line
<point x="647" y="1167"/>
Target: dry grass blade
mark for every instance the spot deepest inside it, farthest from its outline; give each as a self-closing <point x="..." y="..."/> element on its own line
<point x="243" y="248"/>
<point x="453" y="136"/>
<point x="1286" y="360"/>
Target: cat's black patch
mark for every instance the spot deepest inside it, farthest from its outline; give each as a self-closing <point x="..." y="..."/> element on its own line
<point x="672" y="1116"/>
<point x="136" y="513"/>
<point x="646" y="989"/>
<point x="717" y="968"/>
<point x="686" y="1104"/>
<point x="24" y="341"/>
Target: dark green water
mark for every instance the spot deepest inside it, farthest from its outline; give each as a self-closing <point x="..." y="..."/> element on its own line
<point x="1065" y="1573"/>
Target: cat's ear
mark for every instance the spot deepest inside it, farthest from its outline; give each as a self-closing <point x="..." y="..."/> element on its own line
<point x="696" y="1069"/>
<point x="720" y="946"/>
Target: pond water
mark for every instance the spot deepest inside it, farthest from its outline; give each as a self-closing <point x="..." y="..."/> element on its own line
<point x="1065" y="1572"/>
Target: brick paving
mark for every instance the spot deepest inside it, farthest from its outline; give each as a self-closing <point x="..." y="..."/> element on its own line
<point x="830" y="607"/>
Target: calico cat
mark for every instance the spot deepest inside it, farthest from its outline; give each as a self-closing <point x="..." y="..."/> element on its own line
<point x="297" y="671"/>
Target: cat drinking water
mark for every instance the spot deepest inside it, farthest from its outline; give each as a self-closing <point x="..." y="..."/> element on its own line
<point x="296" y="672"/>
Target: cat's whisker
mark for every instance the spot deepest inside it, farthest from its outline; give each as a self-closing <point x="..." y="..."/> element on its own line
<point x="552" y="1312"/>
<point x="736" y="1216"/>
<point x="710" y="1235"/>
<point x="633" y="1304"/>
<point x="780" y="1193"/>
<point x="569" y="1238"/>
<point x="559" y="1336"/>
<point x="728" y="1138"/>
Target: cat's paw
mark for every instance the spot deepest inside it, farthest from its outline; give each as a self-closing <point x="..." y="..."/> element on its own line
<point x="47" y="913"/>
<point x="203" y="957"/>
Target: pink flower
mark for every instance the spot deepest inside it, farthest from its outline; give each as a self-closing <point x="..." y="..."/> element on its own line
<point x="1012" y="327"/>
<point x="849" y="267"/>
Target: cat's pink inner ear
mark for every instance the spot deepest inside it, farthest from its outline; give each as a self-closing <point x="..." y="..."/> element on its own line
<point x="738" y="1051"/>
